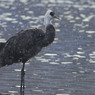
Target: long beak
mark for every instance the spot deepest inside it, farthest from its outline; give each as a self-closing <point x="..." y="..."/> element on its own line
<point x="56" y="17"/>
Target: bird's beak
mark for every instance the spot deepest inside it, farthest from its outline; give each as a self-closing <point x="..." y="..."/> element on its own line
<point x="55" y="17"/>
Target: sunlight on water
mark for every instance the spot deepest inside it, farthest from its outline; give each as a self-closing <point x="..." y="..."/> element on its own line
<point x="74" y="72"/>
<point x="53" y="63"/>
<point x="75" y="56"/>
<point x="79" y="56"/>
<point x="83" y="16"/>
<point x="67" y="59"/>
<point x="66" y="62"/>
<point x="60" y="89"/>
<point x="72" y="21"/>
<point x="88" y="18"/>
<point x="81" y="30"/>
<point x="12" y="91"/>
<point x="1" y="34"/>
<point x="92" y="57"/>
<point x="69" y="17"/>
<point x="30" y="12"/>
<point x="6" y="14"/>
<point x="49" y="54"/>
<point x="14" y="21"/>
<point x="10" y="19"/>
<point x="79" y="48"/>
<point x="24" y="1"/>
<point x="3" y="24"/>
<point x="2" y="40"/>
<point x="92" y="61"/>
<point x="35" y="74"/>
<point x="67" y="55"/>
<point x="37" y="90"/>
<point x="18" y="86"/>
<point x="80" y="52"/>
<point x="58" y="30"/>
<point x="7" y="2"/>
<point x="82" y="71"/>
<point x="90" y="32"/>
<point x="62" y="94"/>
<point x="17" y="70"/>
<point x="42" y="59"/>
<point x="25" y="17"/>
<point x="56" y="39"/>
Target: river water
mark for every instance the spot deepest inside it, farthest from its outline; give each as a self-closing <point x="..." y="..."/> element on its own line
<point x="67" y="66"/>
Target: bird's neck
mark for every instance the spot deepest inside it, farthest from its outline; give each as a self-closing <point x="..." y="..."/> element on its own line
<point x="49" y="35"/>
<point x="47" y="21"/>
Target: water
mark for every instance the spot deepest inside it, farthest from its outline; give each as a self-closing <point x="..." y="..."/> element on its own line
<point x="67" y="66"/>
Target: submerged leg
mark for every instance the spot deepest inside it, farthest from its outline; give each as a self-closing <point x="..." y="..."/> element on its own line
<point x="22" y="87"/>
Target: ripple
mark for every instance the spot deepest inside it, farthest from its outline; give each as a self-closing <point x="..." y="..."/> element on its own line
<point x="80" y="49"/>
<point x="62" y="94"/>
<point x="82" y="72"/>
<point x="49" y="54"/>
<point x="92" y="55"/>
<point x="17" y="70"/>
<point x="90" y="32"/>
<point x="25" y="17"/>
<point x="37" y="90"/>
<point x="53" y="63"/>
<point x="60" y="89"/>
<point x="87" y="19"/>
<point x="35" y="74"/>
<point x="76" y="17"/>
<point x="12" y="91"/>
<point x="66" y="62"/>
<point x="2" y="40"/>
<point x="74" y="72"/>
<point x="80" y="52"/>
<point x="18" y="86"/>
<point x="91" y="61"/>
<point x="79" y="56"/>
<point x="58" y="30"/>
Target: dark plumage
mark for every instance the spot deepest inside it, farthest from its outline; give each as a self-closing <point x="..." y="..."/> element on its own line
<point x="25" y="44"/>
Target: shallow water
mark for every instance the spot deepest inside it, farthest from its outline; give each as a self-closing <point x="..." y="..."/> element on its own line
<point x="67" y="66"/>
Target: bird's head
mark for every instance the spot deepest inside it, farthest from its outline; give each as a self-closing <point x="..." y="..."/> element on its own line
<point x="49" y="16"/>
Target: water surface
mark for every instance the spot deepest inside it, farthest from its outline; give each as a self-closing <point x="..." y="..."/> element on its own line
<point x="67" y="66"/>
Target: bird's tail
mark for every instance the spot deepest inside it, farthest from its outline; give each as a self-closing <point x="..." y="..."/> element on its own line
<point x="1" y="47"/>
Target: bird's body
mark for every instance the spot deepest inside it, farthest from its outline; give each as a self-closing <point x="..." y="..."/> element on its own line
<point x="25" y="45"/>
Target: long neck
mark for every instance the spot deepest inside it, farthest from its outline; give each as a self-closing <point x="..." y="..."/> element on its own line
<point x="47" y="20"/>
<point x="49" y="35"/>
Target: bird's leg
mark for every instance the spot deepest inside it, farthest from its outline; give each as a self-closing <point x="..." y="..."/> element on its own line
<point x="22" y="80"/>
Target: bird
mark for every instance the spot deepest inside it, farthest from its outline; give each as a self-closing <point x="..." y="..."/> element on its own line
<point x="26" y="44"/>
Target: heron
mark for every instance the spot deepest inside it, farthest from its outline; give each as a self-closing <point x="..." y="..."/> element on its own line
<point x="26" y="44"/>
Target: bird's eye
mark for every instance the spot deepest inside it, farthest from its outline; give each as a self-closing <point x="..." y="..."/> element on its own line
<point x="52" y="13"/>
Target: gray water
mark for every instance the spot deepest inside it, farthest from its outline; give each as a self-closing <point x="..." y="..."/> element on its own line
<point x="67" y="66"/>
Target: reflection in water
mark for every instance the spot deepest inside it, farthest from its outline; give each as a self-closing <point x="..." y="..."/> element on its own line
<point x="67" y="67"/>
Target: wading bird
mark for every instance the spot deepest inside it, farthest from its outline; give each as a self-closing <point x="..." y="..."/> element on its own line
<point x="26" y="44"/>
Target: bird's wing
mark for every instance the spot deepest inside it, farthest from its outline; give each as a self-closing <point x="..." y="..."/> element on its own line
<point x="24" y="40"/>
